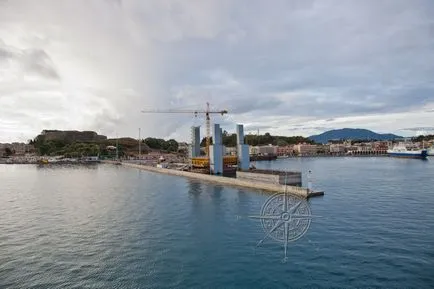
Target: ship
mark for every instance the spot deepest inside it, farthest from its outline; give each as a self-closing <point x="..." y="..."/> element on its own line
<point x="402" y="151"/>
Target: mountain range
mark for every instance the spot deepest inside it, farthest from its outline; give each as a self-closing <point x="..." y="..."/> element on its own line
<point x="353" y="134"/>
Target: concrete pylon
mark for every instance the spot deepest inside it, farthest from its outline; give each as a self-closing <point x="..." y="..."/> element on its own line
<point x="216" y="152"/>
<point x="240" y="134"/>
<point x="195" y="142"/>
<point x="242" y="149"/>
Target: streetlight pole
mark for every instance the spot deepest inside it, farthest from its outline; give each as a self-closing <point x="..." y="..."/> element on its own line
<point x="117" y="150"/>
<point x="140" y="148"/>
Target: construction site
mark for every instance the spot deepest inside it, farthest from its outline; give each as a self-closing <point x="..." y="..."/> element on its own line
<point x="215" y="166"/>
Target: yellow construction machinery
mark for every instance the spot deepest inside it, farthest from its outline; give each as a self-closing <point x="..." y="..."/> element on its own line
<point x="204" y="162"/>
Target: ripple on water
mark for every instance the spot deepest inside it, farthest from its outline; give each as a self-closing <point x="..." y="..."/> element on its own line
<point x="113" y="227"/>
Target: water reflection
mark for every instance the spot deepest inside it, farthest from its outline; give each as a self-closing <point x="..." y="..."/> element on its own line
<point x="89" y="166"/>
<point x="194" y="188"/>
<point x="216" y="199"/>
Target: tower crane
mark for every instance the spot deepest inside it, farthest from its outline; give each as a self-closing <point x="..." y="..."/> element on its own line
<point x="207" y="113"/>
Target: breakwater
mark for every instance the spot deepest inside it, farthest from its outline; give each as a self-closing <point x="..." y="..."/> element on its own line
<point x="299" y="191"/>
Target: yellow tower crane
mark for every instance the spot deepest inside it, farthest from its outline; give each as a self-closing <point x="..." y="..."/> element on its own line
<point x="207" y="113"/>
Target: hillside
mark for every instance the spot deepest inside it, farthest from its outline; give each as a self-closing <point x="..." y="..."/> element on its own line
<point x="351" y="133"/>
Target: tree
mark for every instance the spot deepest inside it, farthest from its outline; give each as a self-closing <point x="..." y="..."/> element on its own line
<point x="229" y="140"/>
<point x="172" y="145"/>
<point x="8" y="152"/>
<point x="423" y="138"/>
<point x="281" y="142"/>
<point x="160" y="144"/>
<point x="203" y="142"/>
<point x="268" y="139"/>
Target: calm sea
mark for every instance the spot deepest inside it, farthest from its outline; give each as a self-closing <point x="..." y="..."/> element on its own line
<point x="109" y="226"/>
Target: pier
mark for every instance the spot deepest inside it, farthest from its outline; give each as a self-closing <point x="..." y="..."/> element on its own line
<point x="256" y="185"/>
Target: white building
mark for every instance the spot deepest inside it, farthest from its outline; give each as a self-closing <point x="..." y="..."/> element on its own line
<point x="263" y="150"/>
<point x="337" y="148"/>
<point x="230" y="151"/>
<point x="305" y="149"/>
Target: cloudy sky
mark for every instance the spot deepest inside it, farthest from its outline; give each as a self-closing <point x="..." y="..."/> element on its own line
<point x="285" y="67"/>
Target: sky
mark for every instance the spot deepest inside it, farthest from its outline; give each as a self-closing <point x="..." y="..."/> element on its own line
<point x="297" y="67"/>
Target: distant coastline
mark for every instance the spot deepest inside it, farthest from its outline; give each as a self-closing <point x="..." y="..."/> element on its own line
<point x="39" y="160"/>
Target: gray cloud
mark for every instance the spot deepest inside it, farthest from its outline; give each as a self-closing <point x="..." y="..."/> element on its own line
<point x="319" y="128"/>
<point x="5" y="54"/>
<point x="30" y="61"/>
<point x="38" y="62"/>
<point x="294" y="66"/>
<point x="423" y="128"/>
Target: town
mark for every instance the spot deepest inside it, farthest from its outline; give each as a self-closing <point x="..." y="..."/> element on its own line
<point x="74" y="145"/>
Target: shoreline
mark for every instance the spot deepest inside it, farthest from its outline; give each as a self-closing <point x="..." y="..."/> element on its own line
<point x="19" y="160"/>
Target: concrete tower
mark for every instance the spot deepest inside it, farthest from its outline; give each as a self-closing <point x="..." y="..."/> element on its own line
<point x="195" y="142"/>
<point x="216" y="151"/>
<point x="242" y="149"/>
<point x="240" y="134"/>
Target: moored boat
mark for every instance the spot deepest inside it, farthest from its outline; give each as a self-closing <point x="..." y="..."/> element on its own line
<point x="403" y="152"/>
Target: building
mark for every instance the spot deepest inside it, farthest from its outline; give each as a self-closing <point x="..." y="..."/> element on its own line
<point x="230" y="151"/>
<point x="17" y="148"/>
<point x="263" y="150"/>
<point x="70" y="136"/>
<point x="364" y="148"/>
<point x="305" y="149"/>
<point x="285" y="150"/>
<point x="253" y="150"/>
<point x="337" y="148"/>
<point x="323" y="149"/>
<point x="380" y="145"/>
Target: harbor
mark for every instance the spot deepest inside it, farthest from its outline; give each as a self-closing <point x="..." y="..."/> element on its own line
<point x="233" y="170"/>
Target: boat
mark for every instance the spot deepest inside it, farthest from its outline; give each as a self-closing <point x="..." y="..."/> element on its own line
<point x="91" y="159"/>
<point x="43" y="161"/>
<point x="258" y="157"/>
<point x="402" y="151"/>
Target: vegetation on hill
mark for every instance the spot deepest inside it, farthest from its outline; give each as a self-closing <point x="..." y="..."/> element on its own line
<point x="230" y="140"/>
<point x="8" y="152"/>
<point x="103" y="147"/>
<point x="170" y="145"/>
<point x="423" y="138"/>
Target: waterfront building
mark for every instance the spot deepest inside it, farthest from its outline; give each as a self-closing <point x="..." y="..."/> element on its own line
<point x="305" y="149"/>
<point x="253" y="150"/>
<point x="230" y="151"/>
<point x="285" y="150"/>
<point x="380" y="146"/>
<point x="17" y="148"/>
<point x="263" y="150"/>
<point x="268" y="150"/>
<point x="337" y="148"/>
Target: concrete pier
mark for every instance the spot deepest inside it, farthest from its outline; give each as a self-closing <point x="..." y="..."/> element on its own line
<point x="269" y="187"/>
<point x="271" y="177"/>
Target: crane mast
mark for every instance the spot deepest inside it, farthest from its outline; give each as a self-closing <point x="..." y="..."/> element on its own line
<point x="208" y="130"/>
<point x="207" y="113"/>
